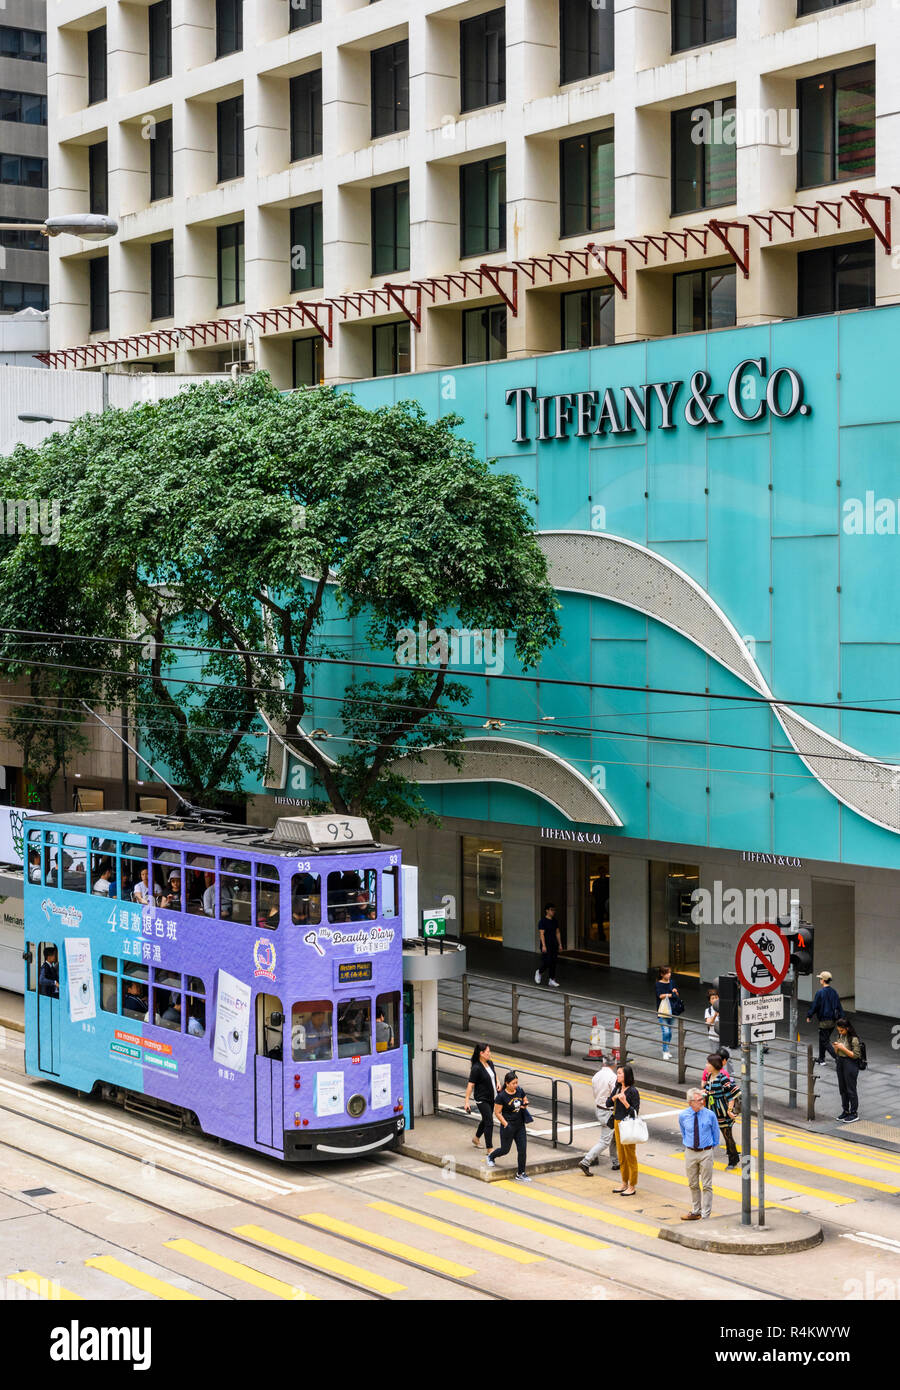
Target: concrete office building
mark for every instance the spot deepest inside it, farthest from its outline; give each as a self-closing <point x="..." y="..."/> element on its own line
<point x="23" y="158"/>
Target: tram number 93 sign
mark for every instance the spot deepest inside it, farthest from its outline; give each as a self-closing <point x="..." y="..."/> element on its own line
<point x="762" y="958"/>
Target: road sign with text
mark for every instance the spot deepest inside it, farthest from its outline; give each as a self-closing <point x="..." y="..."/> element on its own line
<point x="764" y="1009"/>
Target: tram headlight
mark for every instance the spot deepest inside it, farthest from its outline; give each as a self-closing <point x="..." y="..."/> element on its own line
<point x="355" y="1106"/>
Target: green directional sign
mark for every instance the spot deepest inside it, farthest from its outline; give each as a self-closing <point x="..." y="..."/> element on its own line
<point x="434" y="922"/>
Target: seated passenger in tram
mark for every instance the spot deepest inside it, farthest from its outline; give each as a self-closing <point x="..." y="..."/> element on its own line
<point x="104" y="882"/>
<point x="171" y="1018"/>
<point x="172" y="897"/>
<point x="311" y="1037"/>
<point x="196" y="1019"/>
<point x="360" y="906"/>
<point x="34" y="866"/>
<point x="126" y="884"/>
<point x="384" y="1033"/>
<point x="48" y="980"/>
<point x="133" y="1001"/>
<point x="142" y="892"/>
<point x="209" y="898"/>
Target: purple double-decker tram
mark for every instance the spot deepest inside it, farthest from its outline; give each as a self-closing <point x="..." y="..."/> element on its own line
<point x="242" y="980"/>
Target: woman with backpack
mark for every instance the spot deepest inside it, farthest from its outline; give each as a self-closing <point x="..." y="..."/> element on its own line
<point x="851" y="1060"/>
<point x="668" y="1005"/>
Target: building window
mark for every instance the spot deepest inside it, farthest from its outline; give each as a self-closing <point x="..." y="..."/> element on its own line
<point x="589" y="318"/>
<point x="159" y="20"/>
<point x="704" y="171"/>
<point x="484" y="334"/>
<point x="230" y="130"/>
<point x="24" y="240"/>
<point x="161" y="161"/>
<point x="98" y="179"/>
<point x="836" y="278"/>
<point x="27" y="170"/>
<point x="307" y="269"/>
<point x="587" y="183"/>
<point x="99" y="294"/>
<point x="155" y="805"/>
<point x="815" y="6"/>
<point x="586" y="39"/>
<point x="390" y="89"/>
<point x="482" y="60"/>
<point x="674" y="935"/>
<point x="482" y="884"/>
<point x="14" y="295"/>
<point x="695" y="22"/>
<point x="162" y="279"/>
<point x="28" y="45"/>
<point x="482" y="199"/>
<point x="390" y="348"/>
<point x="305" y="12"/>
<point x="28" y="107"/>
<point x="704" y="299"/>
<point x="309" y="361"/>
<point x="96" y="48"/>
<point x="306" y="115"/>
<point x="837" y="126"/>
<point x="230" y="259"/>
<point x="390" y="228"/>
<point x="229" y="27"/>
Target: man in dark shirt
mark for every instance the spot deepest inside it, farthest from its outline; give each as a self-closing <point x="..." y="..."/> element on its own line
<point x="827" y="1009"/>
<point x="48" y="980"/>
<point x="548" y="932"/>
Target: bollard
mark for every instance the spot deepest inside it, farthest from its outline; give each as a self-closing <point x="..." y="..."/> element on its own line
<point x="623" y="1037"/>
<point x="567" y="1026"/>
<point x="810" y="1085"/>
<point x="514" y="1015"/>
<point x="465" y="1003"/>
<point x="682" y="1052"/>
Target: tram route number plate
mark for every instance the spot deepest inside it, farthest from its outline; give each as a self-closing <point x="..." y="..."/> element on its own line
<point x="351" y="971"/>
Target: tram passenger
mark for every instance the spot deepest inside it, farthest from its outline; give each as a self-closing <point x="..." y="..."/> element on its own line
<point x="384" y="1033"/>
<point x="360" y="907"/>
<point x="172" y="898"/>
<point x="48" y="980"/>
<point x="142" y="892"/>
<point x="311" y="1037"/>
<point x="209" y="898"/>
<point x="196" y="1019"/>
<point x="172" y="1016"/>
<point x="133" y="1001"/>
<point x="104" y="882"/>
<point x="34" y="866"/>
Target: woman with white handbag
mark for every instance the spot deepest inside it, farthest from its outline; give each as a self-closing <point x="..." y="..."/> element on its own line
<point x="630" y="1130"/>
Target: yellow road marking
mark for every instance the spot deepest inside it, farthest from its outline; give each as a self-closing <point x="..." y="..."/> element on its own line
<point x="794" y="1186"/>
<point x="329" y="1263"/>
<point x="681" y="1181"/>
<point x="431" y="1223"/>
<point x="129" y="1275"/>
<point x="514" y="1218"/>
<point x="45" y="1288"/>
<point x="276" y="1287"/>
<point x="779" y="1160"/>
<point x="585" y="1209"/>
<point x="856" y="1153"/>
<point x="386" y="1245"/>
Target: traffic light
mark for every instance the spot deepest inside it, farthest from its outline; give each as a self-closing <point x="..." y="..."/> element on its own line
<point x="729" y="1011"/>
<point x="800" y="944"/>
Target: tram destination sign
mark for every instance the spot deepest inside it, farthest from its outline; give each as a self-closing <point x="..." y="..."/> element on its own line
<point x="750" y="394"/>
<point x="351" y="972"/>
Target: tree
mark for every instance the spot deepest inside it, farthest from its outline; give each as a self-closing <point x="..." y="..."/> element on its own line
<point x="239" y="520"/>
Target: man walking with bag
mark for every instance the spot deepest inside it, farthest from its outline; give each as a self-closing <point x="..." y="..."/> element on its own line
<point x="700" y="1133"/>
<point x="548" y="934"/>
<point x="827" y="1009"/>
<point x="602" y="1083"/>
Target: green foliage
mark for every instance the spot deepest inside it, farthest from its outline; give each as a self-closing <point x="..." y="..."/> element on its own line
<point x="236" y="518"/>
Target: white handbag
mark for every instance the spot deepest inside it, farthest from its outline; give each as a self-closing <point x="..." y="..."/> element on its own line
<point x="633" y="1131"/>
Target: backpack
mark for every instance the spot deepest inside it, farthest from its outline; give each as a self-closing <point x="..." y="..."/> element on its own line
<point x="677" y="1004"/>
<point x="863" y="1060"/>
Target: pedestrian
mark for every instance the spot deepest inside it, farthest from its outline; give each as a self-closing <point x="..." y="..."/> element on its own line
<point x="722" y="1093"/>
<point x="625" y="1102"/>
<point x="511" y="1113"/>
<point x="827" y="1009"/>
<point x="603" y="1083"/>
<point x="726" y="1065"/>
<point x="711" y="1018"/>
<point x="483" y="1083"/>
<point x="548" y="934"/>
<point x="700" y="1135"/>
<point x="851" y="1060"/>
<point x="666" y="993"/>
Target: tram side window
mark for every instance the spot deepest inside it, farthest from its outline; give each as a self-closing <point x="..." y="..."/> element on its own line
<point x="352" y="895"/>
<point x="104" y="879"/>
<point x="195" y="1006"/>
<point x="74" y="863"/>
<point x="390" y="891"/>
<point x="136" y="863"/>
<point x="236" y="879"/>
<point x="109" y="984"/>
<point x="354" y="1027"/>
<point x="311" y="1031"/>
<point x="306" y="899"/>
<point x="48" y="975"/>
<point x="167" y="868"/>
<point x="34" y="856"/>
<point x="135" y="991"/>
<point x="268" y="896"/>
<point x="201" y="876"/>
<point x="51" y="858"/>
<point x="387" y="1018"/>
<point x="30" y="967"/>
<point x="167" y="1000"/>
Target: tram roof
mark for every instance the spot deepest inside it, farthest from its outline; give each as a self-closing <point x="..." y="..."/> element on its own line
<point x="209" y="833"/>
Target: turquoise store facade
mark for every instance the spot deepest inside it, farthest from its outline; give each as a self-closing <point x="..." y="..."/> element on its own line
<point x="720" y="517"/>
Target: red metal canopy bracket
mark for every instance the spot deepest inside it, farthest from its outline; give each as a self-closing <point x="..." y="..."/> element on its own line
<point x="492" y="274"/>
<point x="833" y="209"/>
<point x="310" y="311"/>
<point x="785" y="218"/>
<point x="810" y="213"/>
<point x="212" y="331"/>
<point x="721" y="230"/>
<point x="681" y="244"/>
<point x="764" y="221"/>
<point x="640" y="245"/>
<point x="397" y="294"/>
<point x="858" y="201"/>
<point x="700" y="236"/>
<point x="621" y="280"/>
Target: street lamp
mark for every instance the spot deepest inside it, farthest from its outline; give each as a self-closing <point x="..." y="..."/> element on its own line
<point x="91" y="226"/>
<point x="29" y="418"/>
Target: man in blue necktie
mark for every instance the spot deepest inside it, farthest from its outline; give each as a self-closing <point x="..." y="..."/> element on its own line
<point x="700" y="1135"/>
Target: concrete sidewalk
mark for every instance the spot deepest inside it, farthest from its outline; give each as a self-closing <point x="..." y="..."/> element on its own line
<point x="12" y="1011"/>
<point x="446" y="1141"/>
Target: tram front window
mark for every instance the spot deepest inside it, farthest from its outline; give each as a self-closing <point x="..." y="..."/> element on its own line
<point x="311" y="1031"/>
<point x="354" y="1024"/>
<point x="352" y="896"/>
<point x="306" y="899"/>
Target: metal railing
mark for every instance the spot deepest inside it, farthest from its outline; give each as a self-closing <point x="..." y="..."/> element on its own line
<point x="450" y="1073"/>
<point x="519" y="1013"/>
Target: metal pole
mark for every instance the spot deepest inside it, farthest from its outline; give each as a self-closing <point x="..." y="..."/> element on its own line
<point x="760" y="1141"/>
<point x="792" y="1020"/>
<point x="567" y="1025"/>
<point x="746" y="1194"/>
<point x="514" y="1016"/>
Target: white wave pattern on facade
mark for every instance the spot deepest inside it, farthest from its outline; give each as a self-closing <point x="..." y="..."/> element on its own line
<point x="623" y="571"/>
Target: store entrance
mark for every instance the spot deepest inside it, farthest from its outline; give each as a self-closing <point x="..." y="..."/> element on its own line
<point x="578" y="884"/>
